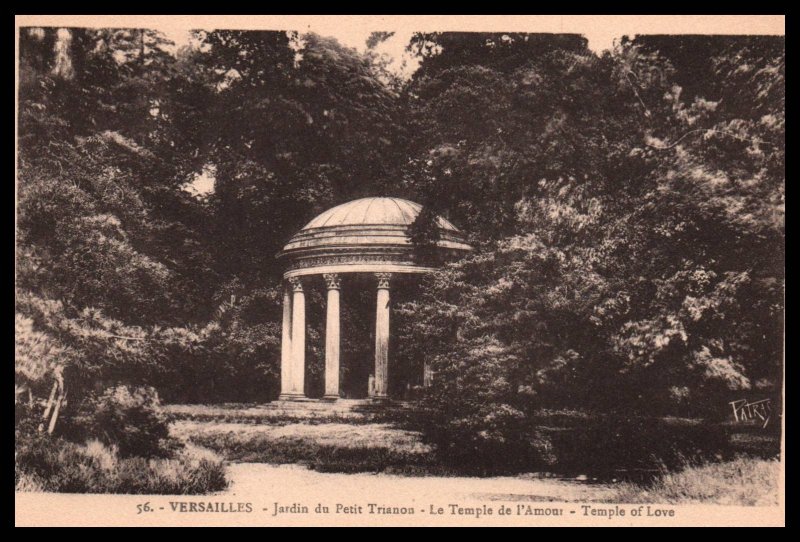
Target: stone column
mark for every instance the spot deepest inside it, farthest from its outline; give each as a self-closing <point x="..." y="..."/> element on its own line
<point x="286" y="345"/>
<point x="298" y="339"/>
<point x="333" y="282"/>
<point x="382" y="337"/>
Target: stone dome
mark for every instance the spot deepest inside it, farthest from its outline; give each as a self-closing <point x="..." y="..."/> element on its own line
<point x="364" y="235"/>
<point x="389" y="211"/>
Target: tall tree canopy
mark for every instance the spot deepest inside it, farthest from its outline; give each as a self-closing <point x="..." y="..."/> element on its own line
<point x="633" y="233"/>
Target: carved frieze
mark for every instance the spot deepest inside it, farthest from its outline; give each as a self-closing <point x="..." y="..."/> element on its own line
<point x="349" y="259"/>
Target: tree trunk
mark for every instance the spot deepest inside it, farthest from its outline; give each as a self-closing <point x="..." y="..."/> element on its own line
<point x="62" y="393"/>
<point x="49" y="405"/>
<point x="62" y="50"/>
<point x="141" y="47"/>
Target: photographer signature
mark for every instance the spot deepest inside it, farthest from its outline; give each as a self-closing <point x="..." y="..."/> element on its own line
<point x="745" y="411"/>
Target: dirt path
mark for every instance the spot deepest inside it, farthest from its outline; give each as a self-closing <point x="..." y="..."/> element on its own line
<point x="288" y="483"/>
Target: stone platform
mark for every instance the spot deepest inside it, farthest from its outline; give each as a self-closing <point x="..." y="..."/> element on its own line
<point x="312" y="410"/>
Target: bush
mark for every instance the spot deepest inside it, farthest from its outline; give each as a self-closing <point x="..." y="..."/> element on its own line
<point x="219" y="362"/>
<point x="43" y="463"/>
<point x="476" y="415"/>
<point x="131" y="420"/>
<point x="493" y="439"/>
<point x="636" y="447"/>
<point x="497" y="438"/>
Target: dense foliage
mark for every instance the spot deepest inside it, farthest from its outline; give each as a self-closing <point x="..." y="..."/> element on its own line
<point x="46" y="464"/>
<point x="636" y="238"/>
<point x="627" y="211"/>
<point x="130" y="420"/>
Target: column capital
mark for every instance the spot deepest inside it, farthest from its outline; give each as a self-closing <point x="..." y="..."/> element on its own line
<point x="332" y="280"/>
<point x="383" y="280"/>
<point x="296" y="284"/>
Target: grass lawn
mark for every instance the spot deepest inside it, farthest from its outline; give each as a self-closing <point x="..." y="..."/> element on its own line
<point x="337" y="447"/>
<point x="745" y="481"/>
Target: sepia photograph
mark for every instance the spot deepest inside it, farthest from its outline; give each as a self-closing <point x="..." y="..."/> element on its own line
<point x="399" y="270"/>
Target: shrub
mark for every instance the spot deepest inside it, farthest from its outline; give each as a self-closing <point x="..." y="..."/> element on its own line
<point x="478" y="414"/>
<point x="43" y="463"/>
<point x="219" y="362"/>
<point x="492" y="439"/>
<point x="496" y="438"/>
<point x="638" y="447"/>
<point x="131" y="420"/>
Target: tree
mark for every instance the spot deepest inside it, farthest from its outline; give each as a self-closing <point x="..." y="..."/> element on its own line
<point x="630" y="236"/>
<point x="108" y="244"/>
<point x="301" y="124"/>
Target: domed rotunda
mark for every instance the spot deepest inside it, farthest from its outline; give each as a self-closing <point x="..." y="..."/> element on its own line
<point x="367" y="236"/>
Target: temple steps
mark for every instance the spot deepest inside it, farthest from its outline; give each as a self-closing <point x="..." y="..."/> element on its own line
<point x="294" y="411"/>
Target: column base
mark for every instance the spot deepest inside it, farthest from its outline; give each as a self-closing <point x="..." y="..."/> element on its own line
<point x="330" y="398"/>
<point x="382" y="398"/>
